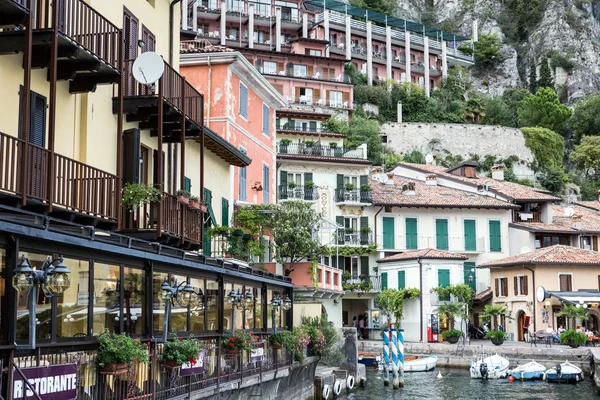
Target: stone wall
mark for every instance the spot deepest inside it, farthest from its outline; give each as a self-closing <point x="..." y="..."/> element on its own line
<point x="461" y="139"/>
<point x="295" y="383"/>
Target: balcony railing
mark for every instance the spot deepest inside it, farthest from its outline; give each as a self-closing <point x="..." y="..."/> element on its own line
<point x="24" y="171"/>
<point x="317" y="149"/>
<point x="455" y="244"/>
<point x="527" y="216"/>
<point x="175" y="215"/>
<point x="353" y="238"/>
<point x="298" y="193"/>
<point x="296" y="128"/>
<point x="363" y="283"/>
<point x="310" y="101"/>
<point x="343" y="195"/>
<point x="319" y="75"/>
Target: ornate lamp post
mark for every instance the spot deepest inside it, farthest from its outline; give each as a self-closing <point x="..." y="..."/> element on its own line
<point x="276" y="305"/>
<point x="52" y="278"/>
<point x="183" y="294"/>
<point x="237" y="300"/>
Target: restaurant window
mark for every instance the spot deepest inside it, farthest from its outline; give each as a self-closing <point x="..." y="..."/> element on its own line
<point x="212" y="305"/>
<point x="134" y="301"/>
<point x="106" y="298"/>
<point x="72" y="305"/>
<point x="179" y="314"/>
<point x="258" y="309"/>
<point x="158" y="315"/>
<point x="269" y="309"/>
<point x="43" y="312"/>
<point x="565" y="282"/>
<point x="197" y="315"/>
<point x="2" y="292"/>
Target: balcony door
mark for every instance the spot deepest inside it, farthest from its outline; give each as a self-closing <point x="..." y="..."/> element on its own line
<point x="351" y="265"/>
<point x="295" y="189"/>
<point x="37" y="137"/>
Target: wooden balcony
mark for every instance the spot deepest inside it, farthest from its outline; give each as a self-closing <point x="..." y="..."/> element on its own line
<point x="178" y="226"/>
<point x="13" y="12"/>
<point x="527" y="216"/>
<point x="79" y="192"/>
<point x="180" y="100"/>
<point x="88" y="44"/>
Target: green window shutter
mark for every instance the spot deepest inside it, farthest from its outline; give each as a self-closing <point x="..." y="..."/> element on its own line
<point x="411" y="234"/>
<point x="364" y="265"/>
<point x="340" y="181"/>
<point x="444" y="280"/>
<point x="334" y="262"/>
<point x="283" y="184"/>
<point x="468" y="267"/>
<point x="208" y="196"/>
<point x="312" y="125"/>
<point x="441" y="234"/>
<point x="225" y="212"/>
<point x="401" y="279"/>
<point x="205" y="243"/>
<point x="364" y="180"/>
<point x="470" y="236"/>
<point x="340" y="233"/>
<point x="384" y="281"/>
<point x="208" y="200"/>
<point x="388" y="232"/>
<point x="308" y="177"/>
<point x="364" y="222"/>
<point x="495" y="237"/>
<point x="187" y="184"/>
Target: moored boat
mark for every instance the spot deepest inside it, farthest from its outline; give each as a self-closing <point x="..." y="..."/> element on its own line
<point x="490" y="367"/>
<point x="531" y="370"/>
<point x="564" y="373"/>
<point x="419" y="363"/>
<point x="368" y="359"/>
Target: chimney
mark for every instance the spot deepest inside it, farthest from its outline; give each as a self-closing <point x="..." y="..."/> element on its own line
<point x="498" y="172"/>
<point x="577" y="222"/>
<point x="408" y="189"/>
<point x="431" y="180"/>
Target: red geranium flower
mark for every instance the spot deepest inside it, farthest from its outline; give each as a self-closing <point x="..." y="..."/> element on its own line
<point x="181" y="339"/>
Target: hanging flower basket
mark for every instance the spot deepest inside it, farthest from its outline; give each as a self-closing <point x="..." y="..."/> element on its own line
<point x="277" y="346"/>
<point x="232" y="352"/>
<point x="115" y="369"/>
<point x="170" y="364"/>
<point x="203" y="208"/>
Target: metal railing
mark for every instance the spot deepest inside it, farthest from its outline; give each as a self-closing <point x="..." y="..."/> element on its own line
<point x="320" y="75"/>
<point x="363" y="283"/>
<point x="77" y="186"/>
<point x="343" y="195"/>
<point x="353" y="238"/>
<point x="456" y="244"/>
<point x="22" y="3"/>
<point x="176" y="91"/>
<point x="296" y="128"/>
<point x="311" y="101"/>
<point x="308" y="193"/>
<point x="527" y="216"/>
<point x="316" y="149"/>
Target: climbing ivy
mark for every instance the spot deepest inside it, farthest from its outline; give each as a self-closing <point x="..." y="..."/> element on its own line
<point x="349" y="251"/>
<point x="391" y="302"/>
<point x="547" y="146"/>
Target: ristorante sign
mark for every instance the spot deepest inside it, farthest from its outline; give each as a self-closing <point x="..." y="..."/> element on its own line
<point x="53" y="382"/>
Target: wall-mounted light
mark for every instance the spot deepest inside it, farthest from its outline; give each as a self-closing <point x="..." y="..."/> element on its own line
<point x="141" y="43"/>
<point x="52" y="278"/>
<point x="547" y="304"/>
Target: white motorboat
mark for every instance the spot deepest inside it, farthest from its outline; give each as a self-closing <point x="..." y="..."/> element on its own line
<point x="420" y="364"/>
<point x="564" y="373"/>
<point x="490" y="367"/>
<point x="531" y="370"/>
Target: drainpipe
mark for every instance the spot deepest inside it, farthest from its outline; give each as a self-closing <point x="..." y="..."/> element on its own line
<point x="375" y="224"/>
<point x="173" y="3"/>
<point x="533" y="291"/>
<point x="421" y="297"/>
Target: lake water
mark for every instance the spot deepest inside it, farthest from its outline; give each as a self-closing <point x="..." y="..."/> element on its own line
<point x="457" y="384"/>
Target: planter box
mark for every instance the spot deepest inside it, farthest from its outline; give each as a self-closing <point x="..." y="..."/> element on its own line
<point x="171" y="364"/>
<point x="453" y="339"/>
<point x="115" y="369"/>
<point x="497" y="342"/>
<point x="183" y="199"/>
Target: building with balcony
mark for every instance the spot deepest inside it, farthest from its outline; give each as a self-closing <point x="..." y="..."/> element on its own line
<point x="75" y="129"/>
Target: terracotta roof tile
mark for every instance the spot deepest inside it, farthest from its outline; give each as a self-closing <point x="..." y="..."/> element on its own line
<point x="590" y="219"/>
<point x="430" y="196"/>
<point x="423" y="254"/>
<point x="513" y="190"/>
<point x="558" y="254"/>
<point x="485" y="295"/>
<point x="594" y="205"/>
<point x="541" y="227"/>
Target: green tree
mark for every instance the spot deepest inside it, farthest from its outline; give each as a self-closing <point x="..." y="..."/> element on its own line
<point x="572" y="313"/>
<point x="544" y="110"/>
<point x="363" y="130"/>
<point x="587" y="155"/>
<point x="513" y="99"/>
<point x="586" y="117"/>
<point x="497" y="113"/>
<point x="455" y="87"/>
<point x="547" y="146"/>
<point x="383" y="6"/>
<point x="493" y="313"/>
<point x="391" y="302"/>
<point x="546" y="80"/>
<point x="336" y="125"/>
<point x="487" y="51"/>
<point x="553" y="179"/>
<point x="533" y="82"/>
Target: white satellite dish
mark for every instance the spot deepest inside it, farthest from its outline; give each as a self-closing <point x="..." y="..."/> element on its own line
<point x="148" y="68"/>
<point x="525" y="249"/>
<point x="429" y="158"/>
<point x="381" y="178"/>
<point x="569" y="211"/>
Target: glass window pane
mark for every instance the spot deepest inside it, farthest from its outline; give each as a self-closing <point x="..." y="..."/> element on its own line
<point x="227" y="287"/>
<point x="72" y="305"/>
<point x="269" y="309"/>
<point x="179" y="314"/>
<point x="258" y="309"/>
<point x="134" y="305"/>
<point x="43" y="312"/>
<point x="197" y="315"/>
<point x="2" y="291"/>
<point x="158" y="306"/>
<point x="212" y="305"/>
<point x="239" y="312"/>
<point x="106" y="297"/>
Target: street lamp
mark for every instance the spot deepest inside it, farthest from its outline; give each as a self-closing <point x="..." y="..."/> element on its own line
<point x="277" y="304"/>
<point x="239" y="300"/>
<point x="52" y="278"/>
<point x="183" y="294"/>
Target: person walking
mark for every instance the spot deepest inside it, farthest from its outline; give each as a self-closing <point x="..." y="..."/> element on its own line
<point x="361" y="327"/>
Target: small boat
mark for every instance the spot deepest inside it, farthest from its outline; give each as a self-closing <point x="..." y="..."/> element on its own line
<point x="368" y="359"/>
<point x="490" y="367"/>
<point x="564" y="373"/>
<point x="531" y="370"/>
<point x="420" y="364"/>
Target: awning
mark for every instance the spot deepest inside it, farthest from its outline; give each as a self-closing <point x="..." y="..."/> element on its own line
<point x="587" y="296"/>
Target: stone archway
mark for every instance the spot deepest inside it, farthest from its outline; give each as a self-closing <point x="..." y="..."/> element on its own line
<point x="519" y="316"/>
<point x="593" y="323"/>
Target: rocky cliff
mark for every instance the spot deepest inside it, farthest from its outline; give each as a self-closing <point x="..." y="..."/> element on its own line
<point x="567" y="31"/>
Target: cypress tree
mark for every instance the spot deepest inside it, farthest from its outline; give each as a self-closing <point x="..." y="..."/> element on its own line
<point x="545" y="76"/>
<point x="532" y="77"/>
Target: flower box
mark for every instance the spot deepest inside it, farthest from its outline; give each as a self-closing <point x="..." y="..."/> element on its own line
<point x="115" y="369"/>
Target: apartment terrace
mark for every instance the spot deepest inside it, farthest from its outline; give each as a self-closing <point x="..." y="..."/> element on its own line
<point x="88" y="44"/>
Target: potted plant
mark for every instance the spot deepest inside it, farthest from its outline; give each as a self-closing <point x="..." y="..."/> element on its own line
<point x="573" y="338"/>
<point x="279" y="339"/>
<point x="291" y="185"/>
<point x="283" y="145"/>
<point x="239" y="341"/>
<point x="309" y="185"/>
<point x="365" y="229"/>
<point x="298" y="343"/>
<point x="349" y="187"/>
<point x="365" y="188"/>
<point x="183" y="196"/>
<point x="118" y="351"/>
<point x="496" y="336"/>
<point x="333" y="145"/>
<point x="348" y="230"/>
<point x="179" y="351"/>
<point x="194" y="202"/>
<point x="137" y="194"/>
<point x="452" y="335"/>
